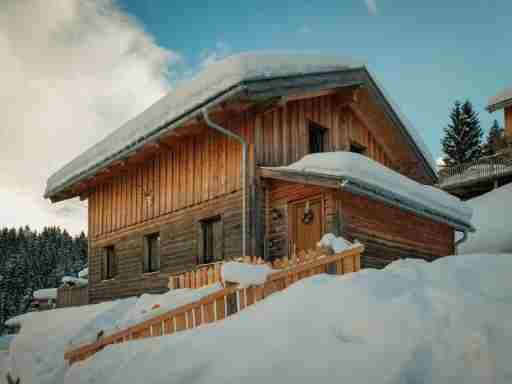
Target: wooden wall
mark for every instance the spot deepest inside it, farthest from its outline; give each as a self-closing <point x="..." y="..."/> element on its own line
<point x="179" y="247"/>
<point x="387" y="232"/>
<point x="191" y="170"/>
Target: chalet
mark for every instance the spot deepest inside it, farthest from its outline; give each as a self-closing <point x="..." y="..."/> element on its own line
<point x="483" y="175"/>
<point x="231" y="163"/>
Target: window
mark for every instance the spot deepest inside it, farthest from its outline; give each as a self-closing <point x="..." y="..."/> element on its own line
<point x="152" y="252"/>
<point x="109" y="266"/>
<point x="211" y="242"/>
<point x="316" y="138"/>
<point x="357" y="148"/>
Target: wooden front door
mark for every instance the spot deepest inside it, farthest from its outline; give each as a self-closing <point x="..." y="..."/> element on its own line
<point x="306" y="223"/>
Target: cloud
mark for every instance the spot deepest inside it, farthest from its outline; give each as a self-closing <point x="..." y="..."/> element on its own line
<point x="72" y="71"/>
<point x="372" y="7"/>
<point x="219" y="52"/>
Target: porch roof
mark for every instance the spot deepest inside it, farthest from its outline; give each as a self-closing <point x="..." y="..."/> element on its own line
<point x="361" y="175"/>
<point x="501" y="100"/>
<point x="250" y="77"/>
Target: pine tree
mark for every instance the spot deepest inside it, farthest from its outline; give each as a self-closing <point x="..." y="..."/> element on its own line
<point x="496" y="139"/>
<point x="462" y="141"/>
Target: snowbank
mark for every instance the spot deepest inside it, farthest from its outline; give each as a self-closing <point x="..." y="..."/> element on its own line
<point x="493" y="222"/>
<point x="37" y="352"/>
<point x="71" y="280"/>
<point x="413" y="322"/>
<point x="46" y="294"/>
<point x="245" y="274"/>
<point x="84" y="273"/>
<point x="364" y="170"/>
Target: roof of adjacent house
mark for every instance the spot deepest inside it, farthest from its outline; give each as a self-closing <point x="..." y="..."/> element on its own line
<point x="362" y="175"/>
<point x="250" y="75"/>
<point x="501" y="100"/>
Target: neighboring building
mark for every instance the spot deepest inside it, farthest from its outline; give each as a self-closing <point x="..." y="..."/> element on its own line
<point x="478" y="177"/>
<point x="165" y="190"/>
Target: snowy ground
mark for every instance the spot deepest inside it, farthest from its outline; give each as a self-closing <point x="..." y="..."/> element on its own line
<point x="493" y="222"/>
<point x="414" y="322"/>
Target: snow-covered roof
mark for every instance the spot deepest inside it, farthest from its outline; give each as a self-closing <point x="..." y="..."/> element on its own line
<point x="218" y="82"/>
<point x="46" y="294"/>
<point x="501" y="100"/>
<point x="372" y="178"/>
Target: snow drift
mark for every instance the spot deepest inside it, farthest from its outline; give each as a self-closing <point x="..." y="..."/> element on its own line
<point x="413" y="322"/>
<point x="493" y="222"/>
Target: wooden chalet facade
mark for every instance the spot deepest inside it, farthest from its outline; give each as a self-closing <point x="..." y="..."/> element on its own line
<point x="173" y="199"/>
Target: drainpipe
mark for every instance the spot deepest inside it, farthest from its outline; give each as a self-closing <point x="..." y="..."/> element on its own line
<point x="242" y="141"/>
<point x="460" y="241"/>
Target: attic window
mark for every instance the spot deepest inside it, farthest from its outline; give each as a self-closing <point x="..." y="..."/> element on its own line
<point x="316" y="138"/>
<point x="357" y="148"/>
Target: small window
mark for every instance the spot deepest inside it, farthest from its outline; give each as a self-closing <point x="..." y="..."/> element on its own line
<point x="152" y="252"/>
<point x="212" y="248"/>
<point x="357" y="148"/>
<point x="316" y="138"/>
<point x="109" y="270"/>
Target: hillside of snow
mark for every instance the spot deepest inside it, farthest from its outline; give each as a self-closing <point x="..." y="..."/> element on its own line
<point x="492" y="219"/>
<point x="413" y="322"/>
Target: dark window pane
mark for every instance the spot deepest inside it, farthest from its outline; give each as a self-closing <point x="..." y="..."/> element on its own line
<point x="109" y="266"/>
<point x="316" y="138"/>
<point x="152" y="252"/>
<point x="212" y="242"/>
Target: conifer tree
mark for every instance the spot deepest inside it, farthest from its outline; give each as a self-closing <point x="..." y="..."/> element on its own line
<point x="462" y="141"/>
<point x="496" y="139"/>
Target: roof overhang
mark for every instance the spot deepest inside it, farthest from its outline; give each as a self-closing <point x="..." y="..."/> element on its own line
<point x="501" y="105"/>
<point x="254" y="91"/>
<point x="358" y="187"/>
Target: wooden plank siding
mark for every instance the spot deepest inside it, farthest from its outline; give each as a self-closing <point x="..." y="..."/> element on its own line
<point x="387" y="232"/>
<point x="508" y="122"/>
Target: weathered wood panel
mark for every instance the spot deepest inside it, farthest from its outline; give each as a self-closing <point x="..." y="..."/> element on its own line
<point x="72" y="296"/>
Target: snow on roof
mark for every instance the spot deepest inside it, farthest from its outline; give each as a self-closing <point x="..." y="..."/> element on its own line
<point x="363" y="170"/>
<point x="217" y="82"/>
<point x="211" y="82"/>
<point x="493" y="222"/>
<point x="501" y="100"/>
<point x="46" y="294"/>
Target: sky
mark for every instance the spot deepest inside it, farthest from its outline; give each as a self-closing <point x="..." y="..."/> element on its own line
<point x="74" y="70"/>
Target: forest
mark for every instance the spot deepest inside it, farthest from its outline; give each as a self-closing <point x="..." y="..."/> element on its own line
<point x="32" y="260"/>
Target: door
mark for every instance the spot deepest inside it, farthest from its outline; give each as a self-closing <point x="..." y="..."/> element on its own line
<point x="306" y="223"/>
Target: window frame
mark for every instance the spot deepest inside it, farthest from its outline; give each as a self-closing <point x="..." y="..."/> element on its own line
<point x="148" y="256"/>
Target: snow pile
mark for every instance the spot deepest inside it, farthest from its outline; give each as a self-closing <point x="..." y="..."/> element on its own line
<point x="45" y="294"/>
<point x="365" y="171"/>
<point x="337" y="244"/>
<point x="245" y="274"/>
<point x="84" y="273"/>
<point x="76" y="281"/>
<point x="37" y="352"/>
<point x="413" y="322"/>
<point x="493" y="222"/>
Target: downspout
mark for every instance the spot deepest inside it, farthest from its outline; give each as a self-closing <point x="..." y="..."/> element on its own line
<point x="242" y="141"/>
<point x="460" y="241"/>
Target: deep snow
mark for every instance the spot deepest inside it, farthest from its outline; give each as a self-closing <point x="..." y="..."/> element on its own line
<point x="414" y="322"/>
<point x="492" y="219"/>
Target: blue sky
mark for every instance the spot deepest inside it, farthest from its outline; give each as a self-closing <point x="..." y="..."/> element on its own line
<point x="427" y="54"/>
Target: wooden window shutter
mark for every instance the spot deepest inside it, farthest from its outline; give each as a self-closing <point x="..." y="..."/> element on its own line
<point x="155" y="252"/>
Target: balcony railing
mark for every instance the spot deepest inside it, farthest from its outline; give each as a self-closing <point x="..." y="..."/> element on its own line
<point x="486" y="169"/>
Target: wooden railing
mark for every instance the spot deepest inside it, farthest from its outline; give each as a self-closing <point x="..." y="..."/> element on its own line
<point x="72" y="296"/>
<point x="486" y="168"/>
<point x="224" y="302"/>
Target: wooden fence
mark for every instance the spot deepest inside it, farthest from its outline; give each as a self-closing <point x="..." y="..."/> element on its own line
<point x="72" y="296"/>
<point x="223" y="303"/>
